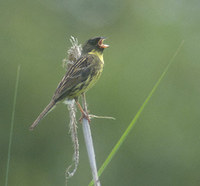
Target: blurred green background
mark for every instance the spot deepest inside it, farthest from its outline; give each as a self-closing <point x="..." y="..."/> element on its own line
<point x="164" y="146"/>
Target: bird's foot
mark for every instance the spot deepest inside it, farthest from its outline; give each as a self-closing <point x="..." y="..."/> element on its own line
<point x="85" y="116"/>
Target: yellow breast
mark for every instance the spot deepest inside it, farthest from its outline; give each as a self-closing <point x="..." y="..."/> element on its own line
<point x="98" y="54"/>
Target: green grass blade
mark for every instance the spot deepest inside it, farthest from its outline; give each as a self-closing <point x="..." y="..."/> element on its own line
<point x="12" y="125"/>
<point x="127" y="131"/>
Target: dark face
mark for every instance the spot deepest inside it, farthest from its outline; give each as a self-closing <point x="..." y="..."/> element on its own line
<point x="94" y="44"/>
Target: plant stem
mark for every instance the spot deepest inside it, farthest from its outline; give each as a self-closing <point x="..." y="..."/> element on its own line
<point x="133" y="122"/>
<point x="12" y="125"/>
<point x="89" y="144"/>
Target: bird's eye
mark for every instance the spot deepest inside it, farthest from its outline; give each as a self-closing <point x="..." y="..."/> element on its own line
<point x="94" y="41"/>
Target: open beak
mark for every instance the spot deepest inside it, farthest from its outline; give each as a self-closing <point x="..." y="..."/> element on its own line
<point x="101" y="45"/>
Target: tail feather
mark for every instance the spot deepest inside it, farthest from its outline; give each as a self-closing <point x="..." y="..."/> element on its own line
<point x="48" y="108"/>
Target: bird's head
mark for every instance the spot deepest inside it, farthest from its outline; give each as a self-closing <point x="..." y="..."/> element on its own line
<point x="96" y="44"/>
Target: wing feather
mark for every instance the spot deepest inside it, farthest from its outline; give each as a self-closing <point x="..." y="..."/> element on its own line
<point x="75" y="75"/>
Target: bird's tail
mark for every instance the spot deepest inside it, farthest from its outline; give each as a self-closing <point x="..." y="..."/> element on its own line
<point x="48" y="108"/>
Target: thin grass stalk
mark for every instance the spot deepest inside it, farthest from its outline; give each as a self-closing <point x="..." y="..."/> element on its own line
<point x="130" y="126"/>
<point x="12" y="126"/>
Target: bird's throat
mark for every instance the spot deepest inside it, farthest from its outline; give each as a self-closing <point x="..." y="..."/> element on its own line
<point x="98" y="54"/>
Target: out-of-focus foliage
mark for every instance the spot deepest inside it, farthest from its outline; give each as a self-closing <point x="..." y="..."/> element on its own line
<point x="163" y="148"/>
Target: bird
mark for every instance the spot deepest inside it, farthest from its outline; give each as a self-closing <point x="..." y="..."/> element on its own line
<point x="79" y="77"/>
